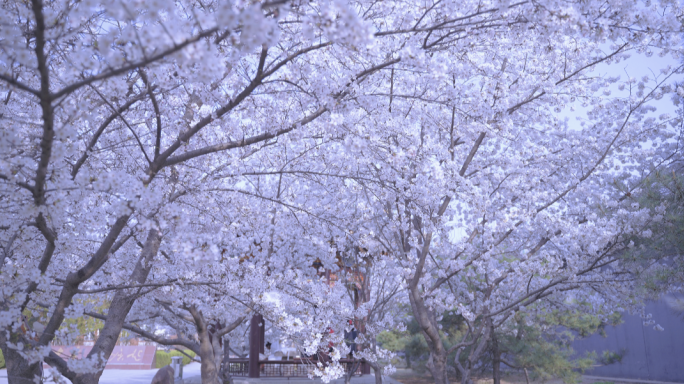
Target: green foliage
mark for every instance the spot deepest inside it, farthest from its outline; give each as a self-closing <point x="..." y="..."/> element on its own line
<point x="546" y="357"/>
<point x="163" y="358"/>
<point x="413" y="343"/>
<point x="543" y="344"/>
<point x="663" y="194"/>
<point x="540" y="344"/>
<point x="612" y="357"/>
<point x="392" y="341"/>
<point x="2" y="360"/>
<point x="581" y="323"/>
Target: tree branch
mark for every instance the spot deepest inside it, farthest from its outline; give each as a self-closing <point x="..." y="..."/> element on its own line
<point x="49" y="250"/>
<point x="19" y="85"/>
<point x="120" y="287"/>
<point x="100" y="130"/>
<point x="149" y="335"/>
<point x="45" y="104"/>
<point x="119" y="115"/>
<point x="177" y="47"/>
<point x="258" y="138"/>
<point x="566" y="78"/>
<point x="21" y="184"/>
<point x="244" y="142"/>
<point x="157" y="114"/>
<point x="472" y="153"/>
<point x="161" y="161"/>
<point x="229" y="328"/>
<point x="75" y="278"/>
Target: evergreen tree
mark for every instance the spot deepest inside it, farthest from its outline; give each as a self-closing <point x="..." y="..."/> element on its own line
<point x="658" y="258"/>
<point x="543" y="345"/>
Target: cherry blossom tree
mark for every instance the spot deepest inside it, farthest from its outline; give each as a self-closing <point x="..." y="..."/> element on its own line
<point x="467" y="173"/>
<point x="143" y="141"/>
<point x="109" y="111"/>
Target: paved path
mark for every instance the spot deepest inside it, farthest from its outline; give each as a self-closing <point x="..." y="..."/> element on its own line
<point x="192" y="376"/>
<point x="191" y="373"/>
<point x="365" y="379"/>
<point x="126" y="376"/>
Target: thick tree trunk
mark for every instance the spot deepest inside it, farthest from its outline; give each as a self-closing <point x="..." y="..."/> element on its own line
<point x="377" y="371"/>
<point x="465" y="376"/>
<point x="496" y="369"/>
<point x="347" y="377"/>
<point x="428" y="323"/>
<point x="217" y="353"/>
<point x="439" y="369"/>
<point x="378" y="375"/>
<point x="209" y="349"/>
<point x="496" y="359"/>
<point x="18" y="369"/>
<point x="119" y="308"/>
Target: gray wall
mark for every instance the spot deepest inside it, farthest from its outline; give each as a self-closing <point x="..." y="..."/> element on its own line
<point x="651" y="354"/>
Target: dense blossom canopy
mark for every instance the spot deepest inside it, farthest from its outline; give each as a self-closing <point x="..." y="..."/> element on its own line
<point x="187" y="161"/>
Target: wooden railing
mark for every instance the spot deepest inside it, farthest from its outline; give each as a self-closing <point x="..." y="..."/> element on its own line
<point x="285" y="368"/>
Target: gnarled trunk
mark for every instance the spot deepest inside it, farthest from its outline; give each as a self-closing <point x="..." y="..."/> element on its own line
<point x="210" y="350"/>
<point x="437" y="362"/>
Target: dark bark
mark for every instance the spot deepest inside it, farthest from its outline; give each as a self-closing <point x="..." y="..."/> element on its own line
<point x="50" y="237"/>
<point x="22" y="372"/>
<point x="119" y="308"/>
<point x="209" y="349"/>
<point x="496" y="359"/>
<point x="437" y="363"/>
<point x="377" y="371"/>
<point x="74" y="279"/>
<point x="18" y="369"/>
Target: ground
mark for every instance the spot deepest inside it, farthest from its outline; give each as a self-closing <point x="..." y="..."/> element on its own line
<point x="403" y="376"/>
<point x="123" y="376"/>
<point x="408" y="376"/>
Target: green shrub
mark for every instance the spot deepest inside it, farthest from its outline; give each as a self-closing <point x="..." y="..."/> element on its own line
<point x="2" y="360"/>
<point x="164" y="358"/>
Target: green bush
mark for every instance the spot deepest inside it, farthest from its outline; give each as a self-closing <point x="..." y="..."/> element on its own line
<point x="2" y="360"/>
<point x="164" y="358"/>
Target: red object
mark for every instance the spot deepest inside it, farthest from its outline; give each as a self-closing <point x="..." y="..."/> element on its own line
<point x="123" y="357"/>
